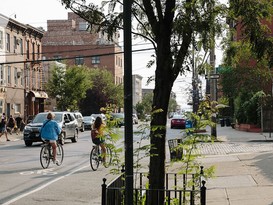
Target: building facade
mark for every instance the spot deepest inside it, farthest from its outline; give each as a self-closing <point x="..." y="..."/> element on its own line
<point x="21" y="73"/>
<point x="71" y="41"/>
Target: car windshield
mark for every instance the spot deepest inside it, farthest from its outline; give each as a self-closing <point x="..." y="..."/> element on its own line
<point x="41" y="117"/>
<point x="118" y="115"/>
<point x="87" y="118"/>
<point x="178" y="117"/>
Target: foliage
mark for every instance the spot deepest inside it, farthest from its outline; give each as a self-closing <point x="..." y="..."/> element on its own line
<point x="249" y="107"/>
<point x="170" y="26"/>
<point x="68" y="86"/>
<point x="145" y="106"/>
<point x="103" y="92"/>
<point x="249" y="76"/>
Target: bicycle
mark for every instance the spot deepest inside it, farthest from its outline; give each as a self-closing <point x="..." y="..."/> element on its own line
<point x="46" y="154"/>
<point x="96" y="157"/>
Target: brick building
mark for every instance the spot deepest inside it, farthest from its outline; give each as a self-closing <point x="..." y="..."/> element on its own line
<point x="21" y="89"/>
<point x="73" y="42"/>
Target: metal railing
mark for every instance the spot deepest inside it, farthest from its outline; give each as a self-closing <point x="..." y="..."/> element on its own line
<point x="179" y="188"/>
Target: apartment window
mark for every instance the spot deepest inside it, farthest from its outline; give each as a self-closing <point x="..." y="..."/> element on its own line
<point x="14" y="44"/>
<point x="95" y="60"/>
<point x="79" y="60"/>
<point x="58" y="58"/>
<point x="2" y="75"/>
<point x="17" y="108"/>
<point x="33" y="51"/>
<point x="21" y="46"/>
<point x="38" y="51"/>
<point x="22" y="78"/>
<point x="9" y="74"/>
<point x="27" y="48"/>
<point x="83" y="26"/>
<point x="1" y="39"/>
<point x="15" y="77"/>
<point x="8" y="42"/>
<point x="1" y="106"/>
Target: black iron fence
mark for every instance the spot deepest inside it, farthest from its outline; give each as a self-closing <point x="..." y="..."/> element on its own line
<point x="180" y="189"/>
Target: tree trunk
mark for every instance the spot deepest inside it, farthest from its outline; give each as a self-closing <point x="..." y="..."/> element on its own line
<point x="163" y="87"/>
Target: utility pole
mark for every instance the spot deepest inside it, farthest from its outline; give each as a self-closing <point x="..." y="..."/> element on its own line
<point x="213" y="82"/>
<point x="213" y="91"/>
<point x="128" y="101"/>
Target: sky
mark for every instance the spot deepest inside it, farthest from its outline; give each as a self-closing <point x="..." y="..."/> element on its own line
<point x="37" y="12"/>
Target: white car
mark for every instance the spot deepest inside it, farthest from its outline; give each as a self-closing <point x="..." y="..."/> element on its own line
<point x="135" y="119"/>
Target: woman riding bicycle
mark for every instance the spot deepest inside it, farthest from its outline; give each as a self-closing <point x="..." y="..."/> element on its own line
<point x="98" y="136"/>
<point x="50" y="131"/>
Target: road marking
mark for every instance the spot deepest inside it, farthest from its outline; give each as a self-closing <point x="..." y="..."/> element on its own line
<point x="41" y="171"/>
<point x="42" y="187"/>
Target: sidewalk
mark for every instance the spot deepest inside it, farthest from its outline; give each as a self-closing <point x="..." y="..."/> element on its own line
<point x="12" y="137"/>
<point x="243" y="168"/>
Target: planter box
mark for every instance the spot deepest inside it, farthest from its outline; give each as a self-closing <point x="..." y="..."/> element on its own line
<point x="247" y="128"/>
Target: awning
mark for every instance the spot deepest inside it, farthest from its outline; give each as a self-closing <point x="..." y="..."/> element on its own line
<point x="39" y="94"/>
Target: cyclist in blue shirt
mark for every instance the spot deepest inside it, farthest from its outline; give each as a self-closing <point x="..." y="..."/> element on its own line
<point x="50" y="131"/>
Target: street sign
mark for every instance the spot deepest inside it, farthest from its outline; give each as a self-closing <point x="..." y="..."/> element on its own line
<point x="212" y="76"/>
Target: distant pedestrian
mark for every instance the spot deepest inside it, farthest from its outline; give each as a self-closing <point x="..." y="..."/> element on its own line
<point x="3" y="128"/>
<point x="19" y="123"/>
<point x="11" y="124"/>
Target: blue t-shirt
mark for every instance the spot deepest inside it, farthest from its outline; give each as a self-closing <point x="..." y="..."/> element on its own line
<point x="50" y="130"/>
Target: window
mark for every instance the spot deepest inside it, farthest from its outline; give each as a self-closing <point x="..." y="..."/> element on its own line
<point x="95" y="60"/>
<point x="33" y="51"/>
<point x="58" y="58"/>
<point x="22" y="78"/>
<point x="83" y="26"/>
<point x="79" y="60"/>
<point x="8" y="42"/>
<point x="17" y="108"/>
<point x="9" y="74"/>
<point x="15" y="77"/>
<point x="14" y="44"/>
<point x="1" y="39"/>
<point x="38" y="51"/>
<point x="21" y="46"/>
<point x="27" y="49"/>
<point x="2" y="78"/>
<point x="1" y="106"/>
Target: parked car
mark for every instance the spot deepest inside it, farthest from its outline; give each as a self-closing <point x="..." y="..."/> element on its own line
<point x="80" y="121"/>
<point x="88" y="122"/>
<point x="178" y="121"/>
<point x="118" y="119"/>
<point x="135" y="119"/>
<point x="66" y="120"/>
<point x="101" y="115"/>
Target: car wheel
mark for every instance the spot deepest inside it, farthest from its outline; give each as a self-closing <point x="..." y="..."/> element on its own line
<point x="82" y="129"/>
<point x="75" y="138"/>
<point x="61" y="139"/>
<point x="28" y="143"/>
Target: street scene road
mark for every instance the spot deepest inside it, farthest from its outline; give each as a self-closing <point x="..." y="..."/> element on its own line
<point x="243" y="163"/>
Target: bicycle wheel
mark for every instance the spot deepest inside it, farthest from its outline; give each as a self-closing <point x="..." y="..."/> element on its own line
<point x="44" y="157"/>
<point x="108" y="159"/>
<point x="94" y="158"/>
<point x="59" y="154"/>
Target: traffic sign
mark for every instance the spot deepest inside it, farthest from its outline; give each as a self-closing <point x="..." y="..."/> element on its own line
<point x="212" y="76"/>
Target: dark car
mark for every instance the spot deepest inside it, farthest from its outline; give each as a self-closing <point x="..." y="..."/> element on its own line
<point x="118" y="119"/>
<point x="178" y="121"/>
<point x="80" y="121"/>
<point x="66" y="120"/>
